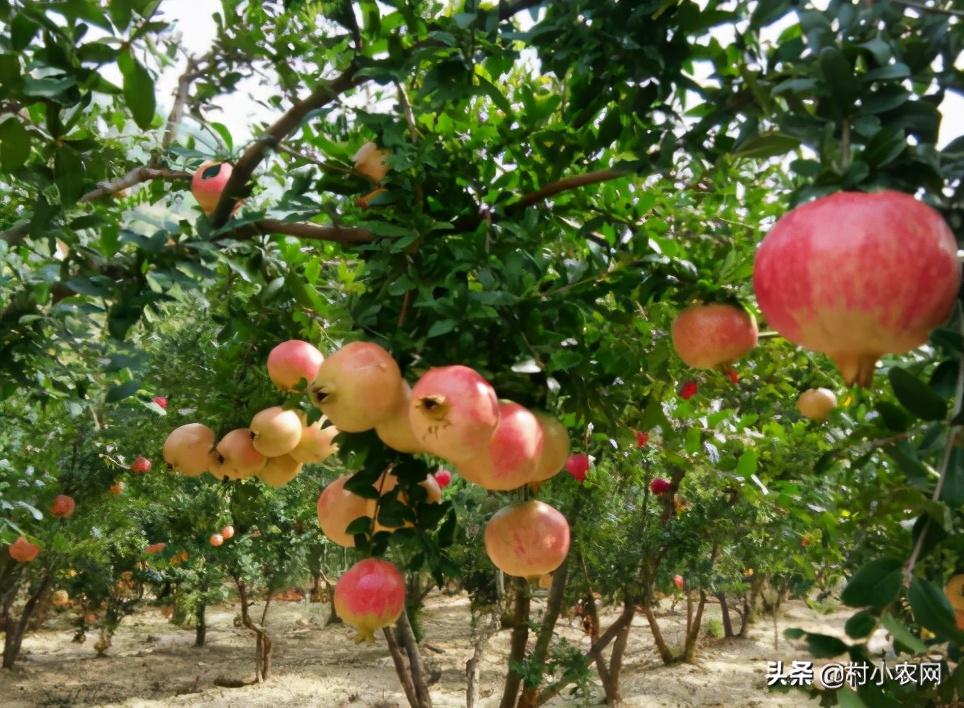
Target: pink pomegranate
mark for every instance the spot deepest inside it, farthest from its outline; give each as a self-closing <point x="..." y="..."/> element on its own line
<point x="208" y="182"/>
<point x="337" y="508"/>
<point x="369" y="596"/>
<point x="709" y="336"/>
<point x="555" y="448"/>
<point x="857" y="276"/>
<point x="141" y="465"/>
<point x="528" y="539"/>
<point x="357" y="387"/>
<point x="679" y="582"/>
<point x="292" y="361"/>
<point x="577" y="466"/>
<point x="513" y="454"/>
<point x="396" y="430"/>
<point x="454" y="412"/>
<point x="237" y="456"/>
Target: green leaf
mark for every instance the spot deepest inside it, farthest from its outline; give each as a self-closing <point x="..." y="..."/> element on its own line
<point x="138" y="89"/>
<point x="361" y="525"/>
<point x="69" y="175"/>
<point x="767" y="145"/>
<point x="490" y="90"/>
<point x="932" y="608"/>
<point x="901" y="633"/>
<point x="861" y="624"/>
<point x="885" y="147"/>
<point x="118" y="393"/>
<point x="823" y="646"/>
<point x="876" y="584"/>
<point x="14" y="144"/>
<point x="440" y="327"/>
<point x="838" y="76"/>
<point x="747" y="463"/>
<point x="916" y="396"/>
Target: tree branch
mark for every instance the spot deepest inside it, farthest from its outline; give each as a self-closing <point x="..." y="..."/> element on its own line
<point x="310" y="232"/>
<point x="135" y="176"/>
<point x="180" y="100"/>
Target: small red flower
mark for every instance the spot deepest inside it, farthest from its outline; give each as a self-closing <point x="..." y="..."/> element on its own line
<point x="141" y="465"/>
<point x="688" y="390"/>
<point x="660" y="486"/>
<point x="641" y="439"/>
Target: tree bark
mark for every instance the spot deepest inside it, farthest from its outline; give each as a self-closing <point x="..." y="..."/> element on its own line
<point x="14" y="628"/>
<point x="486" y="626"/>
<point x="613" y="696"/>
<point x="664" y="651"/>
<point x="263" y="643"/>
<point x="407" y="637"/>
<point x="557" y="592"/>
<point x="520" y="636"/>
<point x="693" y="630"/>
<point x="725" y="614"/>
<point x="401" y="667"/>
<point x="200" y="626"/>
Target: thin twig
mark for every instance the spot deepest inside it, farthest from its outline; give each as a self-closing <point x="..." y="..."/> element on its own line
<point x="181" y="97"/>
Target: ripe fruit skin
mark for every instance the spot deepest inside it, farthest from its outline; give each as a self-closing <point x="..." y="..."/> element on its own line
<point x="370" y="595"/>
<point x="660" y="486"/>
<point x="454" y="412"/>
<point x="396" y="430"/>
<point x="577" y="466"/>
<point x="679" y="582"/>
<point x="117" y="488"/>
<point x="279" y="471"/>
<point x="856" y="276"/>
<point x="555" y="448"/>
<point x="22" y="550"/>
<point x="315" y="444"/>
<point x="227" y="532"/>
<point x="443" y="478"/>
<point x="208" y="183"/>
<point x="62" y="506"/>
<point x="816" y="403"/>
<point x="161" y="401"/>
<point x="155" y="548"/>
<point x="642" y="439"/>
<point x="239" y="458"/>
<point x="275" y="431"/>
<point x="60" y="598"/>
<point x="513" y="453"/>
<point x="357" y="387"/>
<point x="141" y="465"/>
<point x="188" y="449"/>
<point x="337" y="508"/>
<point x="688" y="390"/>
<point x="708" y="336"/>
<point x="292" y="361"/>
<point x="372" y="162"/>
<point x="216" y="539"/>
<point x="527" y="539"/>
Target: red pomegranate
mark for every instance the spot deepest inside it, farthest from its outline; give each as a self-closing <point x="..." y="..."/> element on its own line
<point x="688" y="390"/>
<point x="62" y="506"/>
<point x="444" y="478"/>
<point x="679" y="582"/>
<point x="857" y="276"/>
<point x="659" y="486"/>
<point x="155" y="548"/>
<point x="141" y="465"/>
<point x="23" y="551"/>
<point x="710" y="336"/>
<point x="527" y="539"/>
<point x="577" y="466"/>
<point x="642" y="439"/>
<point x="292" y="361"/>
<point x="370" y="595"/>
<point x="513" y="454"/>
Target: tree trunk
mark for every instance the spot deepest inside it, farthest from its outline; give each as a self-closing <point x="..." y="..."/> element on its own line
<point x="14" y="629"/>
<point x="664" y="651"/>
<point x="401" y="667"/>
<point x="611" y="686"/>
<point x="200" y="626"/>
<point x="693" y="630"/>
<point x="407" y="638"/>
<point x="725" y="613"/>
<point x="486" y="626"/>
<point x="557" y="592"/>
<point x="333" y="617"/>
<point x="520" y="636"/>
<point x="263" y="643"/>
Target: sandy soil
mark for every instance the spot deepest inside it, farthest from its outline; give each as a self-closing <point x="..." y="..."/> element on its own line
<point x="153" y="663"/>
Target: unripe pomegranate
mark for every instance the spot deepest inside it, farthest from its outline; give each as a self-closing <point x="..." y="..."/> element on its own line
<point x="369" y="596"/>
<point x="512" y="457"/>
<point x="315" y="444"/>
<point x="278" y="471"/>
<point x="660" y="486"/>
<point x="62" y="506"/>
<point x="337" y="508"/>
<point x="22" y="550"/>
<point x="679" y="582"/>
<point x="396" y="430"/>
<point x="227" y="532"/>
<point x="117" y="488"/>
<point x="189" y="449"/>
<point x="454" y="412"/>
<point x="372" y="162"/>
<point x="208" y="182"/>
<point x="141" y="465"/>
<point x="527" y="539"/>
<point x="555" y="448"/>
<point x="816" y="403"/>
<point x="275" y="431"/>
<point x="708" y="336"/>
<point x="443" y="478"/>
<point x="577" y="466"/>
<point x="388" y="481"/>
<point x="155" y="548"/>
<point x="216" y="539"/>
<point x="688" y="390"/>
<point x="161" y="401"/>
<point x="856" y="276"/>
<point x="238" y="457"/>
<point x="60" y="598"/>
<point x="357" y="387"/>
<point x="292" y="361"/>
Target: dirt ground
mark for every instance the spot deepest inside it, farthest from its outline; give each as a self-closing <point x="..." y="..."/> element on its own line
<point x="154" y="663"/>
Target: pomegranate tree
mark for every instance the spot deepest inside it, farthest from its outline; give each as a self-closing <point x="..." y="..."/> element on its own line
<point x="857" y="276"/>
<point x="513" y="453"/>
<point x="527" y="539"/>
<point x="357" y="387"/>
<point x="369" y="596"/>
<point x="711" y="336"/>
<point x="816" y="403"/>
<point x="292" y="361"/>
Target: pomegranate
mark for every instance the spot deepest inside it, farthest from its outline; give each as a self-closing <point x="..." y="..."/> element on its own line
<point x="22" y="550"/>
<point x="357" y="387"/>
<point x="514" y="451"/>
<point x="278" y="471"/>
<point x="117" y="488"/>
<point x="188" y="449"/>
<point x="62" y="506"/>
<point x="369" y="596"/>
<point x="641" y="439"/>
<point x="396" y="430"/>
<point x="816" y="403"/>
<point x="555" y="448"/>
<point x="155" y="548"/>
<point x="216" y="539"/>
<point x="316" y="443"/>
<point x="337" y="508"/>
<point x="857" y="276"/>
<point x="443" y="478"/>
<point x="208" y="182"/>
<point x="527" y="539"/>
<point x="688" y="390"/>
<point x="679" y="582"/>
<point x="60" y="598"/>
<point x="238" y="457"/>
<point x="577" y="466"/>
<point x="372" y="162"/>
<point x="710" y="336"/>
<point x="660" y="486"/>
<point x="292" y="361"/>
<point x="141" y="465"/>
<point x="275" y="431"/>
<point x="160" y="401"/>
<point x="227" y="532"/>
<point x="454" y="412"/>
